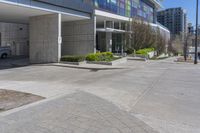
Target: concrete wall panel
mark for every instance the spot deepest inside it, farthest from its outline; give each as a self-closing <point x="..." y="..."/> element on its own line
<point x="79" y="37"/>
<point x="45" y="32"/>
<point x="16" y="36"/>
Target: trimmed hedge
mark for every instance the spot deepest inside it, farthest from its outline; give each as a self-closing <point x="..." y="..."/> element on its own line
<point x="72" y="58"/>
<point x="145" y="51"/>
<point x="104" y="56"/>
<point x="130" y="51"/>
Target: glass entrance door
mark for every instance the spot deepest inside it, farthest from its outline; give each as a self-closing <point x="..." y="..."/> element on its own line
<point x="117" y="43"/>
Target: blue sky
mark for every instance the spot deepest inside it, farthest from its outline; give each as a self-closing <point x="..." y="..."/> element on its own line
<point x="189" y="5"/>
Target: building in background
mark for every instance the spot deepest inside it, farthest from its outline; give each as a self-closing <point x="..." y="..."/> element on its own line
<point x="175" y="19"/>
<point x="45" y="30"/>
<point x="113" y="16"/>
<point x="191" y="29"/>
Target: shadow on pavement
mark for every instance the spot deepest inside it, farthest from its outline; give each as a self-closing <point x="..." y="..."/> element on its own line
<point x="92" y="69"/>
<point x="14" y="62"/>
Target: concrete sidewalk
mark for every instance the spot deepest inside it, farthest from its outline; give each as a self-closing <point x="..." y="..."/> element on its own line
<point x="75" y="113"/>
<point x="163" y="94"/>
<point x="14" y="62"/>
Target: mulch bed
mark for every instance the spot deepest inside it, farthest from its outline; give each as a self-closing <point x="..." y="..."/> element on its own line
<point x="12" y="99"/>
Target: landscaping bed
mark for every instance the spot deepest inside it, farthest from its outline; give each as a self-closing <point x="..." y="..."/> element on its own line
<point x="141" y="54"/>
<point x="145" y="53"/>
<point x="12" y="99"/>
<point x="104" y="58"/>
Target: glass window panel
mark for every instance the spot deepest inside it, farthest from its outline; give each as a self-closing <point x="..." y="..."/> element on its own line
<point x="129" y="8"/>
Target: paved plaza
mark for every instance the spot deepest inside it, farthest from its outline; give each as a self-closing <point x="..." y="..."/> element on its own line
<point x="140" y="97"/>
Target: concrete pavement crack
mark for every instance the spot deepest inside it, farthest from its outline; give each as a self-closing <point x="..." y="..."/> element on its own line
<point x="152" y="86"/>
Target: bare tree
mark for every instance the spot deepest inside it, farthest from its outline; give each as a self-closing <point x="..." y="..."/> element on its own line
<point x="142" y="35"/>
<point x="160" y="44"/>
<point x="177" y="44"/>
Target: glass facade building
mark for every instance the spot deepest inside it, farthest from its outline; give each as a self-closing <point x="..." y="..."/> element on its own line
<point x="72" y="27"/>
<point x="128" y="8"/>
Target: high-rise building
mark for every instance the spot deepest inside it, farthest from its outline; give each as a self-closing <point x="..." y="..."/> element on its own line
<point x="46" y="29"/>
<point x="175" y="19"/>
<point x="191" y="28"/>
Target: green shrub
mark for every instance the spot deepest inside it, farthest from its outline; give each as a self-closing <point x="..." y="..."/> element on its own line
<point x="73" y="58"/>
<point x="130" y="51"/>
<point x="104" y="56"/>
<point x="91" y="57"/>
<point x="144" y="51"/>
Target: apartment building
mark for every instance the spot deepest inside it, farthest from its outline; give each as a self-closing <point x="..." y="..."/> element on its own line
<point x="45" y="30"/>
<point x="191" y="28"/>
<point x="175" y="19"/>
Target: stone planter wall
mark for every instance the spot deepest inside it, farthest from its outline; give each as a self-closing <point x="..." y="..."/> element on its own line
<point x="73" y="63"/>
<point x="115" y="62"/>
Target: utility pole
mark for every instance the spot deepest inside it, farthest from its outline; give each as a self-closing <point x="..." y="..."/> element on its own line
<point x="196" y="38"/>
<point x="186" y="36"/>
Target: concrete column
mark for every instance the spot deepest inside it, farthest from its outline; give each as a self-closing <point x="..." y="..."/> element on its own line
<point x="95" y="33"/>
<point x="120" y="25"/>
<point x="104" y="23"/>
<point x="154" y="15"/>
<point x="109" y="41"/>
<point x="123" y="44"/>
<point x="45" y="38"/>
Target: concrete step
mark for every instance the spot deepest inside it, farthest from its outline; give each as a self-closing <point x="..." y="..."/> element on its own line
<point x="137" y="58"/>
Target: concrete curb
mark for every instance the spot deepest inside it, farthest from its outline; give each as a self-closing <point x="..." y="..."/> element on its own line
<point x="94" y="67"/>
<point x="137" y="58"/>
<point x="73" y="63"/>
<point x="112" y="63"/>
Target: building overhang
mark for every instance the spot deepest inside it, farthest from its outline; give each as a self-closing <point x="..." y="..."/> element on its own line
<point x="20" y="13"/>
<point x="102" y="15"/>
<point x="160" y="27"/>
<point x="157" y="4"/>
<point x="77" y="5"/>
<point x="110" y="30"/>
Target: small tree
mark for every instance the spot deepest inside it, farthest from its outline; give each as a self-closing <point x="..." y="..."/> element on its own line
<point x="142" y="35"/>
<point x="177" y="44"/>
<point x="171" y="49"/>
<point x="160" y="44"/>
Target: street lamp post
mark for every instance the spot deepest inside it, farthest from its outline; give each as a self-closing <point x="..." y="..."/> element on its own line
<point x="196" y="38"/>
